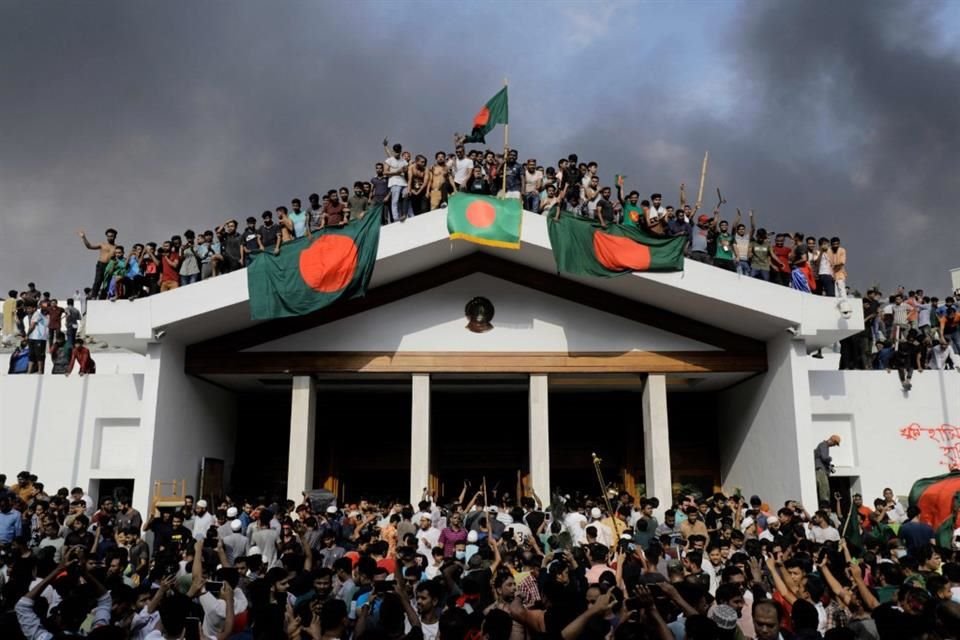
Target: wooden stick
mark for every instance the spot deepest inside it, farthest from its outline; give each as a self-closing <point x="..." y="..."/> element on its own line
<point x="703" y="177"/>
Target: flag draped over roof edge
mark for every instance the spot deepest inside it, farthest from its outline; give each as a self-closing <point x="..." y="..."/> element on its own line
<point x="485" y="220"/>
<point x="312" y="273"/>
<point x="582" y="247"/>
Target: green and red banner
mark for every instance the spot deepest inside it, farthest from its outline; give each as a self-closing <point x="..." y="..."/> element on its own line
<point x="314" y="272"/>
<point x="495" y="112"/>
<point x="485" y="220"/>
<point x="938" y="499"/>
<point x="582" y="247"/>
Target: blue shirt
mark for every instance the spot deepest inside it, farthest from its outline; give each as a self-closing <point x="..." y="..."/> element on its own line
<point x="10" y="524"/>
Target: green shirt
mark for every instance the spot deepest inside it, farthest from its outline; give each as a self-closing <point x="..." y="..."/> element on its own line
<point x="761" y="255"/>
<point x="724" y="247"/>
<point x="632" y="215"/>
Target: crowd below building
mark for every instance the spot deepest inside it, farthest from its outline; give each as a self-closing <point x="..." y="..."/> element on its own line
<point x="907" y="331"/>
<point x="473" y="566"/>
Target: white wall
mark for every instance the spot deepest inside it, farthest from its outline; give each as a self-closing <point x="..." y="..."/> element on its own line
<point x="69" y="431"/>
<point x="873" y="415"/>
<point x="187" y="418"/>
<point x="524" y="320"/>
<point x="765" y="439"/>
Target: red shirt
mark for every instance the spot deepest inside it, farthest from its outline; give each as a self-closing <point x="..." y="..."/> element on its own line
<point x="783" y="256"/>
<point x="53" y="316"/>
<point x="168" y="272"/>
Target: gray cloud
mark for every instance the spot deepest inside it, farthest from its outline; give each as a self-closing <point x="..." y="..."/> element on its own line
<point x="825" y="118"/>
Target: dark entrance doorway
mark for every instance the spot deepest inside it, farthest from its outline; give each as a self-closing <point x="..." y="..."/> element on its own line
<point x="607" y="423"/>
<point x="477" y="431"/>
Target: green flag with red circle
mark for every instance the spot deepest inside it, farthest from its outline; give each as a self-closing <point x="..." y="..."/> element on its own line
<point x="582" y="247"/>
<point x="494" y="222"/>
<point x="938" y="499"/>
<point x="496" y="111"/>
<point x="313" y="272"/>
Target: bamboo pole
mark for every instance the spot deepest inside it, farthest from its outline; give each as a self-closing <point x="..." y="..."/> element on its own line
<point x="506" y="147"/>
<point x="703" y="177"/>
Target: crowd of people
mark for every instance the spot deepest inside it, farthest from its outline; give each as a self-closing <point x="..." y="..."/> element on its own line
<point x="36" y="325"/>
<point x="406" y="185"/>
<point x="475" y="566"/>
<point x="908" y="331"/>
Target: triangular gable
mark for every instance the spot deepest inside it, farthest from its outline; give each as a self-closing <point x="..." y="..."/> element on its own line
<point x="525" y="320"/>
<point x="700" y="346"/>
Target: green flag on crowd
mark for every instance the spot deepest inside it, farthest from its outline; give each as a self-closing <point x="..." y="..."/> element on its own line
<point x="938" y="499"/>
<point x="493" y="113"/>
<point x="312" y="273"/>
<point x="581" y="247"/>
<point x="485" y="220"/>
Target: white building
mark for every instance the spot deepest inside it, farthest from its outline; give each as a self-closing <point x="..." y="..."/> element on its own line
<point x="699" y="378"/>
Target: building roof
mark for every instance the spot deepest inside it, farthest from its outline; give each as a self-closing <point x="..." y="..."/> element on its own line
<point x="722" y="299"/>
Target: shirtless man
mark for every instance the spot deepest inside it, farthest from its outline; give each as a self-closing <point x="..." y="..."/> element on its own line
<point x="417" y="179"/>
<point x="439" y="181"/>
<point x="106" y="250"/>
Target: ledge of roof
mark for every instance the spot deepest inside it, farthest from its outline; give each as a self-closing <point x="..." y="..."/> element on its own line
<point x="739" y="304"/>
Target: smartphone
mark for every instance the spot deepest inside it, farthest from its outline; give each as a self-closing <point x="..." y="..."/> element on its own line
<point x="214" y="587"/>
<point x="382" y="586"/>
<point x="191" y="628"/>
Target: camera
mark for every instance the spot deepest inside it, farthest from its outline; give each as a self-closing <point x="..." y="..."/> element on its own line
<point x="844" y="308"/>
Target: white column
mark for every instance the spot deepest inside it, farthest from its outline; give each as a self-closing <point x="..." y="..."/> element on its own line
<point x="303" y="413"/>
<point x="540" y="436"/>
<point x="419" y="436"/>
<point x="656" y="441"/>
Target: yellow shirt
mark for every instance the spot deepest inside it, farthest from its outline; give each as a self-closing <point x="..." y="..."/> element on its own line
<point x="9" y="316"/>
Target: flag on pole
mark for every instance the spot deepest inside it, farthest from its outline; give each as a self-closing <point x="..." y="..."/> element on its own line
<point x="581" y="247"/>
<point x="312" y="273"/>
<point x="493" y="113"/>
<point x="485" y="220"/>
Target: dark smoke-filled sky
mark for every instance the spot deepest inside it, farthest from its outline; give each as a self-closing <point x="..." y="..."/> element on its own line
<point x="831" y="118"/>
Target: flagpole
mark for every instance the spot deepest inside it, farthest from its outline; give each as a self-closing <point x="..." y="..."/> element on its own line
<point x="506" y="146"/>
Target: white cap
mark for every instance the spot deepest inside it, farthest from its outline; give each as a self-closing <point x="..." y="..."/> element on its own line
<point x="331" y="509"/>
<point x="595" y="513"/>
<point x="626" y="536"/>
<point x="236" y="525"/>
<point x="493" y="509"/>
<point x="202" y="503"/>
<point x="746" y="524"/>
<point x="472" y="537"/>
<point x="254" y="551"/>
<point x="232" y="512"/>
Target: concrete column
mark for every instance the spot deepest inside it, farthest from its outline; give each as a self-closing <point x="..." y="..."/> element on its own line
<point x="419" y="436"/>
<point x="540" y="436"/>
<point x="656" y="441"/>
<point x="303" y="414"/>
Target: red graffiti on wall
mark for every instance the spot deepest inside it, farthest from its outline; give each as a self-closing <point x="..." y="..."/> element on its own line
<point x="947" y="437"/>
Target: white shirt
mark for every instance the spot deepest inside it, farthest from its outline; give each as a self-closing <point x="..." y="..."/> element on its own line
<point x="939" y="355"/>
<point x="39" y="322"/>
<point x="604" y="534"/>
<point x="215" y="611"/>
<point x="397" y="164"/>
<point x="576" y="523"/>
<point x="821" y="535"/>
<point x="462" y="168"/>
<point x="201" y="524"/>
<point x="426" y="540"/>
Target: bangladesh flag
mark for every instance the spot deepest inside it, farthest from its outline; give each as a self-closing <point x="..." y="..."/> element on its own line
<point x="493" y="113"/>
<point x="581" y="247"/>
<point x="485" y="220"/>
<point x="938" y="499"/>
<point x="312" y="273"/>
